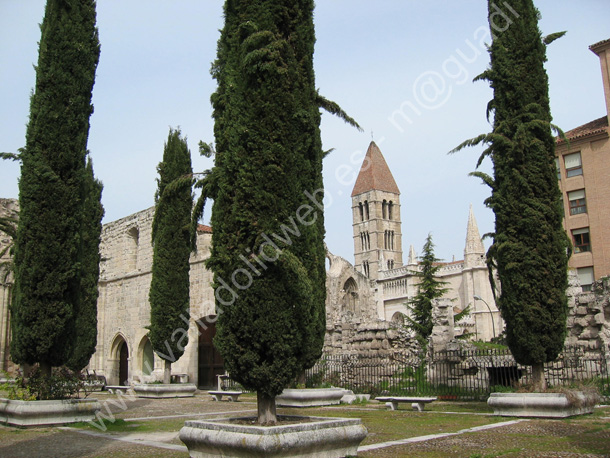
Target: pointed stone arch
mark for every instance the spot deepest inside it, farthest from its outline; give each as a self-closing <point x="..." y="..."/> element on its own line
<point x="146" y="356"/>
<point x="398" y="319"/>
<point x="351" y="298"/>
<point x="210" y="363"/>
<point x="119" y="361"/>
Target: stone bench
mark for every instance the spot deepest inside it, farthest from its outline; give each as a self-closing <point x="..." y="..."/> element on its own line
<point x="180" y="378"/>
<point x="217" y="395"/>
<point x="114" y="389"/>
<point x="417" y="403"/>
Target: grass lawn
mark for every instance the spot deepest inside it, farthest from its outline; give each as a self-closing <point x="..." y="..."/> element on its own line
<point x="587" y="435"/>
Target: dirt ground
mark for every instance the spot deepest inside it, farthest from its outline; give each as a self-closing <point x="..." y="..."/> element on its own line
<point x="515" y="440"/>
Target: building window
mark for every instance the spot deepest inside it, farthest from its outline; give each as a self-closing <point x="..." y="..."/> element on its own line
<point x="361" y="211"/>
<point x="390" y="264"/>
<point x="578" y="203"/>
<point x="388" y="240"/>
<point x="365" y="268"/>
<point x="585" y="275"/>
<point x="133" y="241"/>
<point x="582" y="242"/>
<point x="365" y="240"/>
<point x="366" y="210"/>
<point x="384" y="208"/>
<point x="390" y="207"/>
<point x="573" y="164"/>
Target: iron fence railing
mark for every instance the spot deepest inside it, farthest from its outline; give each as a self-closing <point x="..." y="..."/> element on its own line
<point x="456" y="374"/>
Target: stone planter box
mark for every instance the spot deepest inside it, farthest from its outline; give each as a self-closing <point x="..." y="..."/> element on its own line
<point x="44" y="413"/>
<point x="310" y="397"/>
<point x="543" y="405"/>
<point x="172" y="390"/>
<point x="315" y="437"/>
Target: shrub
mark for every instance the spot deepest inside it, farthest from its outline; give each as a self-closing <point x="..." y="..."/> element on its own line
<point x="62" y="384"/>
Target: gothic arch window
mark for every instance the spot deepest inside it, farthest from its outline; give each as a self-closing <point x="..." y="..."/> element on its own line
<point x="147" y="356"/>
<point x="384" y="209"/>
<point x="390" y="208"/>
<point x="133" y="241"/>
<point x="390" y="264"/>
<point x="366" y="210"/>
<point x="361" y="208"/>
<point x="365" y="241"/>
<point x="350" y="302"/>
<point x="388" y="240"/>
<point x="365" y="268"/>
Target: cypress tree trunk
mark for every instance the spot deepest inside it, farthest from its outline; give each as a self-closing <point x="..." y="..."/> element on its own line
<point x="538" y="380"/>
<point x="167" y="371"/>
<point x="267" y="415"/>
<point x="52" y="190"/>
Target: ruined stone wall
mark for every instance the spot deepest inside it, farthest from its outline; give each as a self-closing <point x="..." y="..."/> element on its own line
<point x="589" y="319"/>
<point x="123" y="307"/>
<point x="8" y="208"/>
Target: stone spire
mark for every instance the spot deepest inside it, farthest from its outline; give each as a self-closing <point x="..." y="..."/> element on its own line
<point x="374" y="174"/>
<point x="412" y="259"/>
<point x="474" y="253"/>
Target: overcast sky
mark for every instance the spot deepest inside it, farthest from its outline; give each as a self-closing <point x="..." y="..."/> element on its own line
<point x="402" y="68"/>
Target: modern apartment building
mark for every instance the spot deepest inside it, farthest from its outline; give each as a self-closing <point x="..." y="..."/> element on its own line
<point x="583" y="169"/>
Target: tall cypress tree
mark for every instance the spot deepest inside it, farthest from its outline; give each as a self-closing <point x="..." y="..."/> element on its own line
<point x="169" y="288"/>
<point x="52" y="188"/>
<point x="269" y="279"/>
<point x="86" y="311"/>
<point x="530" y="249"/>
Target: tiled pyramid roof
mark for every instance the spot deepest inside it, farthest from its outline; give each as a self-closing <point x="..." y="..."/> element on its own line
<point x="374" y="174"/>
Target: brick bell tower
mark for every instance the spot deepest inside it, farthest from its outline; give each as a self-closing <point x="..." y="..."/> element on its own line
<point x="376" y="216"/>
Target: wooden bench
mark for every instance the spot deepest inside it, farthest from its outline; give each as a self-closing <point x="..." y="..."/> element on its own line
<point x="232" y="395"/>
<point x="417" y="403"/>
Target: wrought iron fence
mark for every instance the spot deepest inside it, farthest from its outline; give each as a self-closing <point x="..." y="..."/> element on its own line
<point x="456" y="374"/>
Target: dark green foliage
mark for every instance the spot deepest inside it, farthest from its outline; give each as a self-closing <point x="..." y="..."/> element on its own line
<point x="170" y="285"/>
<point x="530" y="249"/>
<point x="268" y="156"/>
<point x="61" y="384"/>
<point x="86" y="310"/>
<point x="430" y="288"/>
<point x="49" y="247"/>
